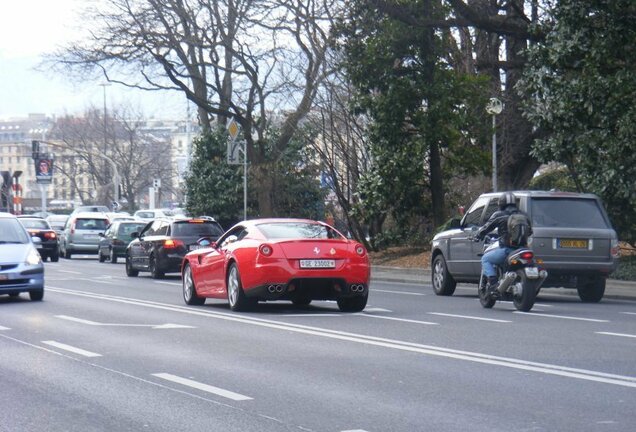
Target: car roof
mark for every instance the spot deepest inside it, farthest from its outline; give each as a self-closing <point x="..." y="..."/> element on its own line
<point x="544" y="194"/>
<point x="92" y="215"/>
<point x="7" y="215"/>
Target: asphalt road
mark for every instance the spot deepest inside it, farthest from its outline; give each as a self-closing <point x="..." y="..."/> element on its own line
<point x="104" y="352"/>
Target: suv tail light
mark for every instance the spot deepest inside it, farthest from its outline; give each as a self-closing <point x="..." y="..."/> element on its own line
<point x="615" y="249"/>
<point x="172" y="244"/>
<point x="50" y="235"/>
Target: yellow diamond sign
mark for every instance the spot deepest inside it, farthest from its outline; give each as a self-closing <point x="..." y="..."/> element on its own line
<point x="233" y="129"/>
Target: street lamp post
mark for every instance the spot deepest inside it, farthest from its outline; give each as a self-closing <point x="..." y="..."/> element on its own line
<point x="494" y="108"/>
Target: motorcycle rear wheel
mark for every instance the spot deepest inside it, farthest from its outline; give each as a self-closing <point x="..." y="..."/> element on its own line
<point x="525" y="301"/>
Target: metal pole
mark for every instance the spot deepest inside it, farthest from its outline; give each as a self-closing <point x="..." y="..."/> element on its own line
<point x="494" y="153"/>
<point x="244" y="180"/>
<point x="43" y="189"/>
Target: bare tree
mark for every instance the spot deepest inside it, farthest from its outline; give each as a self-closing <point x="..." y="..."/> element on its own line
<point x="253" y="61"/>
<point x="121" y="136"/>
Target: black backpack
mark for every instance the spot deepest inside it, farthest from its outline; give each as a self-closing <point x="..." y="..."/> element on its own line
<point x="518" y="230"/>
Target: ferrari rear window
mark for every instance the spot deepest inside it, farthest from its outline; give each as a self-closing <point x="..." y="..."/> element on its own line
<point x="297" y="230"/>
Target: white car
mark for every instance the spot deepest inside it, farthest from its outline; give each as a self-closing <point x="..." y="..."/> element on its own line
<point x="150" y="214"/>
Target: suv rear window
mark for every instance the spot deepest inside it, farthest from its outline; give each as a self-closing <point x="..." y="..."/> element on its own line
<point x="91" y="224"/>
<point x="194" y="229"/>
<point x="567" y="213"/>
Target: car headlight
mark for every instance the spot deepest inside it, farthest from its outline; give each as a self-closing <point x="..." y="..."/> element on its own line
<point x="33" y="258"/>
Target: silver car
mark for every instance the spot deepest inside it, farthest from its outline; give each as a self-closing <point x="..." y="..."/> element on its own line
<point x="572" y="235"/>
<point x="21" y="268"/>
<point x="81" y="234"/>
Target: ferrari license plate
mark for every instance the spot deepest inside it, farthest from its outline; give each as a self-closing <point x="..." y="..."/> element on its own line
<point x="318" y="263"/>
<point x="532" y="272"/>
<point x="572" y="244"/>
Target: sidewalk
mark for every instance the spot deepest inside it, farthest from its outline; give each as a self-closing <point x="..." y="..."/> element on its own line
<point x="614" y="289"/>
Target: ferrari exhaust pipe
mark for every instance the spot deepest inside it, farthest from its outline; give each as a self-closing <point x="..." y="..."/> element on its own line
<point x="357" y="288"/>
<point x="275" y="288"/>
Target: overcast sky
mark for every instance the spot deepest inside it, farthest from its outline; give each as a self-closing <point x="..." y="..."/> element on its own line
<point x="31" y="28"/>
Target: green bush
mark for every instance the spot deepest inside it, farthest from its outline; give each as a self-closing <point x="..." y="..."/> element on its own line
<point x="626" y="269"/>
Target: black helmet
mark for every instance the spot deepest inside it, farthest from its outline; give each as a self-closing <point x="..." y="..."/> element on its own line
<point x="506" y="199"/>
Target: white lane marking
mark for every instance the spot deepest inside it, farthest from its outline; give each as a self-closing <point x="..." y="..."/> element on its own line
<point x="4" y="328"/>
<point x="70" y="271"/>
<point x="168" y="283"/>
<point x="203" y="387"/>
<point x="376" y="309"/>
<point x="397" y="319"/>
<point x="617" y="334"/>
<point x="354" y="430"/>
<point x="71" y="349"/>
<point x="469" y="317"/>
<point x="561" y="317"/>
<point x="513" y="363"/>
<point x="94" y="323"/>
<point x="399" y="292"/>
<point x="629" y="313"/>
<point x="313" y="315"/>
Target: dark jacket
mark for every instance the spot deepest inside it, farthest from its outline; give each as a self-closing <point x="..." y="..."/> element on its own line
<point x="499" y="220"/>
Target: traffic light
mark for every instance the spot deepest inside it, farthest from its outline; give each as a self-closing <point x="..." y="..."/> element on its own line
<point x="156" y="183"/>
<point x="35" y="149"/>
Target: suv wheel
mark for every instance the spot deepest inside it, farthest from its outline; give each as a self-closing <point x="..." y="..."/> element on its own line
<point x="443" y="282"/>
<point x="130" y="271"/>
<point x="155" y="273"/>
<point x="591" y="290"/>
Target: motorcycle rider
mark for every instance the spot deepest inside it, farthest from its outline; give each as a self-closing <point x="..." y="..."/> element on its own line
<point x="499" y="220"/>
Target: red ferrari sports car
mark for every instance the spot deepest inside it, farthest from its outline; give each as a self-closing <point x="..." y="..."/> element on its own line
<point x="298" y="260"/>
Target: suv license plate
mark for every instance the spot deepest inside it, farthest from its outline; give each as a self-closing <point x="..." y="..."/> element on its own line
<point x="572" y="244"/>
<point x="532" y="272"/>
<point x="317" y="263"/>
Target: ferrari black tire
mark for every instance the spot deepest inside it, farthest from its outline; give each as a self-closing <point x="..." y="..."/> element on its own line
<point x="443" y="283"/>
<point x="190" y="295"/>
<point x="130" y="271"/>
<point x="352" y="304"/>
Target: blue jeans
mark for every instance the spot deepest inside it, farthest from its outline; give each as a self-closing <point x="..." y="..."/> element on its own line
<point x="495" y="257"/>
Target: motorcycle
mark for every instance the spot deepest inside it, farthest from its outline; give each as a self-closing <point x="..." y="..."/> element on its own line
<point x="520" y="278"/>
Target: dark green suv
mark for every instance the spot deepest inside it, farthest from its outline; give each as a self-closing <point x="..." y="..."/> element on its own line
<point x="571" y="234"/>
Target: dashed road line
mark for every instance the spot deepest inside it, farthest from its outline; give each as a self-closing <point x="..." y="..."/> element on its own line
<point x="399" y="292"/>
<point x="72" y="349"/>
<point x="561" y="317"/>
<point x="469" y="317"/>
<point x="203" y="387"/>
<point x="4" y="328"/>
<point x="397" y="319"/>
<point x="617" y="334"/>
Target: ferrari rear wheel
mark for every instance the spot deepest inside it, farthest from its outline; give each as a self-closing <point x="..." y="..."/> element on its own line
<point x="235" y="295"/>
<point x="353" y="304"/>
<point x="189" y="292"/>
<point x="301" y="301"/>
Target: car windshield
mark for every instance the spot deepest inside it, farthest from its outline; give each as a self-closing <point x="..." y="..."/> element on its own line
<point x="129" y="228"/>
<point x="301" y="230"/>
<point x="91" y="224"/>
<point x="196" y="229"/>
<point x="35" y="223"/>
<point x="567" y="213"/>
<point x="11" y="231"/>
<point x="148" y="215"/>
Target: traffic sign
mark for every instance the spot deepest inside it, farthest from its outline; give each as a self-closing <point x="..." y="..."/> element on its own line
<point x="233" y="129"/>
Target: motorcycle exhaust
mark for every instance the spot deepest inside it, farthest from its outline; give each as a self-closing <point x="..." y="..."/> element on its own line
<point x="507" y="280"/>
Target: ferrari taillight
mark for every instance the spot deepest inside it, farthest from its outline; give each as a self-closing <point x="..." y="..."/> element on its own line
<point x="360" y="250"/>
<point x="171" y="244"/>
<point x="265" y="249"/>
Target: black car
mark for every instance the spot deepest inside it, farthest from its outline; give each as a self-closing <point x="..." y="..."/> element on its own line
<point x="38" y="227"/>
<point x="115" y="240"/>
<point x="160" y="247"/>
